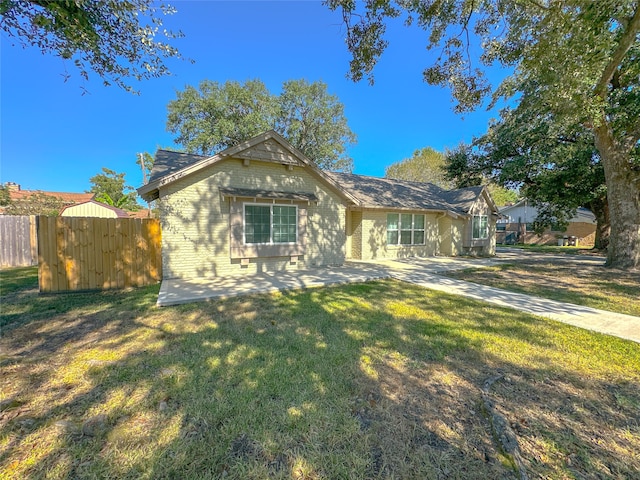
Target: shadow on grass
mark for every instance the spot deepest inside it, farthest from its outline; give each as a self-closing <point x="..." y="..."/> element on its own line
<point x="373" y="380"/>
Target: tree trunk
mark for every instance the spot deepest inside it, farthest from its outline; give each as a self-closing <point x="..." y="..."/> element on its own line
<point x="623" y="194"/>
<point x="600" y="209"/>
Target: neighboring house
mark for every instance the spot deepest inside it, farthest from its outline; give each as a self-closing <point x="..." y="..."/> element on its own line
<point x="142" y="213"/>
<point x="263" y="205"/>
<point x="93" y="208"/>
<point x="44" y="199"/>
<point x="67" y="198"/>
<point x="516" y="225"/>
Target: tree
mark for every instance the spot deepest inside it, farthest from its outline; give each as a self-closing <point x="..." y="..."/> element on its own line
<point x="502" y="196"/>
<point x="114" y="38"/>
<point x="313" y="121"/>
<point x="555" y="166"/>
<point x="5" y="198"/>
<point x="36" y="204"/>
<point x="109" y="187"/>
<point x="145" y="162"/>
<point x="579" y="60"/>
<point x="214" y="117"/>
<point x="426" y="165"/>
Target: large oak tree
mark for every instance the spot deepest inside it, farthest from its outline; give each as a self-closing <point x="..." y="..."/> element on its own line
<point x="216" y="116"/>
<point x="117" y="39"/>
<point x="578" y="59"/>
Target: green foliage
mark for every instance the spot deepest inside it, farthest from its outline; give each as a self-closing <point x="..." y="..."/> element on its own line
<point x="214" y="117"/>
<point x="502" y="196"/>
<point x="577" y="61"/>
<point x="114" y="38"/>
<point x="109" y="187"/>
<point x="5" y="198"/>
<point x="463" y="167"/>
<point x="555" y="165"/>
<point x="313" y="121"/>
<point x="426" y="165"/>
<point x="36" y="204"/>
<point x="145" y="162"/>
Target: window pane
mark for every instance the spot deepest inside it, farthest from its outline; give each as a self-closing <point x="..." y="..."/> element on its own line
<point x="484" y="226"/>
<point x="392" y="221"/>
<point x="392" y="237"/>
<point x="405" y="221"/>
<point x="475" y="227"/>
<point x="418" y="222"/>
<point x="284" y="224"/>
<point x="405" y="237"/>
<point x="257" y="221"/>
<point x="418" y="237"/>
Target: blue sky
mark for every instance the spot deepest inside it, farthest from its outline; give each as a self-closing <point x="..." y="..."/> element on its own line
<point x="55" y="138"/>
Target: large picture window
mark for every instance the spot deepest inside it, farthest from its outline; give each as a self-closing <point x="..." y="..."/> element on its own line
<point x="269" y="224"/>
<point x="405" y="229"/>
<point x="480" y="227"/>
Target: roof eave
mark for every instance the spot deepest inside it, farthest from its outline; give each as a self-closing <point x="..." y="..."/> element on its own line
<point x="449" y="213"/>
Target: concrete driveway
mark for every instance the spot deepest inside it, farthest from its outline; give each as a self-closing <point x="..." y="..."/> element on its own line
<point x="424" y="272"/>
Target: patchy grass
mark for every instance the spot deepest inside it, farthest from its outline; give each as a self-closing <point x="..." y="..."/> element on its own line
<point x="375" y="380"/>
<point x="592" y="286"/>
<point x="556" y="249"/>
<point x="16" y="279"/>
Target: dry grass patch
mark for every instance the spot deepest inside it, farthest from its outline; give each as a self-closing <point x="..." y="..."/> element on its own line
<point x="592" y="286"/>
<point x="376" y="380"/>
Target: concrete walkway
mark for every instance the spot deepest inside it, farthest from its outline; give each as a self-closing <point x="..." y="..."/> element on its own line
<point x="419" y="271"/>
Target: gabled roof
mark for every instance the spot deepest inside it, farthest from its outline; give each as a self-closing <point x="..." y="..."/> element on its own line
<point x="167" y="162"/>
<point x="360" y="190"/>
<point x="65" y="197"/>
<point x="118" y="211"/>
<point x="171" y="166"/>
<point x="375" y="192"/>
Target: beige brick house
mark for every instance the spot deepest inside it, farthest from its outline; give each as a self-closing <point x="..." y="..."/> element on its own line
<point x="263" y="205"/>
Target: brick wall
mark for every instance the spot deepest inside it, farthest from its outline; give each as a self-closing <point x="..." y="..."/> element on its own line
<point x="195" y="220"/>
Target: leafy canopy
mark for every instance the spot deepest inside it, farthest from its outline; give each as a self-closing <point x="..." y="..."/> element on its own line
<point x="575" y="60"/>
<point x="213" y="117"/>
<point x="426" y="165"/>
<point x="37" y="203"/>
<point x="117" y="39"/>
<point x="109" y="187"/>
<point x="554" y="165"/>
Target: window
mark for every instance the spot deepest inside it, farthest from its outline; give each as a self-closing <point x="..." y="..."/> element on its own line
<point x="480" y="227"/>
<point x="270" y="224"/>
<point x="405" y="229"/>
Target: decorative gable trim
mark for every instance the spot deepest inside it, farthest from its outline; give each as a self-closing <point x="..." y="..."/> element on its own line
<point x="269" y="151"/>
<point x="270" y="145"/>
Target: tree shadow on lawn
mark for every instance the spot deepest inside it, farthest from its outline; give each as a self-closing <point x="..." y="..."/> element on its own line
<point x="374" y="380"/>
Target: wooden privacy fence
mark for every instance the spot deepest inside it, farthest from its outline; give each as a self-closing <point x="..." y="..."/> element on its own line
<point x="97" y="253"/>
<point x="18" y="241"/>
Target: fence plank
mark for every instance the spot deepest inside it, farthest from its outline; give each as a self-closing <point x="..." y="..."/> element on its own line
<point x="89" y="253"/>
<point x="18" y="241"/>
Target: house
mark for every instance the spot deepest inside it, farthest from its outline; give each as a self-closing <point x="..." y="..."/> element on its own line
<point x="34" y="201"/>
<point x="93" y="208"/>
<point x="516" y="225"/>
<point x="263" y="205"/>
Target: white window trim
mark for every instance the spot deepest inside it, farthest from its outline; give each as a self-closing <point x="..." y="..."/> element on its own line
<point x="270" y="205"/>
<point x="412" y="229"/>
<point x="486" y="231"/>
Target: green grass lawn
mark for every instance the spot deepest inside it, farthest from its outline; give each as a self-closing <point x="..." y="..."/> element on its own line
<point x="375" y="380"/>
<point x="608" y="289"/>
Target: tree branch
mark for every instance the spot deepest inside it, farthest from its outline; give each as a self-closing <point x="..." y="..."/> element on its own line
<point x="626" y="41"/>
